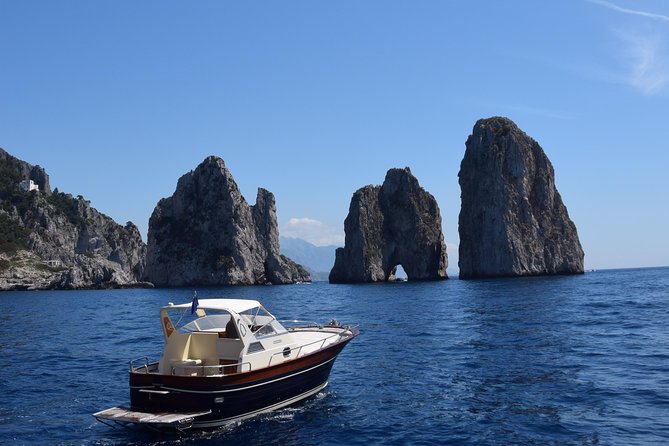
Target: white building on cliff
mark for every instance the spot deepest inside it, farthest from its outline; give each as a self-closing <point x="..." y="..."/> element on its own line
<point x="28" y="185"/>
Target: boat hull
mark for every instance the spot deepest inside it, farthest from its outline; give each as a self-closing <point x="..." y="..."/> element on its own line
<point x="235" y="397"/>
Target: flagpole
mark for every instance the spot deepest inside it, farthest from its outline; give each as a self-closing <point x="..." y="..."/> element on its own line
<point x="195" y="303"/>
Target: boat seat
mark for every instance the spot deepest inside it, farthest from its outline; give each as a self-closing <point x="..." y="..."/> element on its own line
<point x="186" y="367"/>
<point x="176" y="350"/>
<point x="229" y="352"/>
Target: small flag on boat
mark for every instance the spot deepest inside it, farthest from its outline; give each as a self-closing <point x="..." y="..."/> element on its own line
<point x="195" y="303"/>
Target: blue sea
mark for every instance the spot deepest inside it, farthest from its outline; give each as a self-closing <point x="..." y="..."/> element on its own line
<point x="577" y="360"/>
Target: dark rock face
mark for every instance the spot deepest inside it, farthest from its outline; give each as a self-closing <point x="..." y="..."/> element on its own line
<point x="512" y="221"/>
<point x="57" y="241"/>
<point x="397" y="223"/>
<point x="206" y="234"/>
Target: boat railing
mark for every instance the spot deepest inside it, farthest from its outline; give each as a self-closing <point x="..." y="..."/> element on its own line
<point x="211" y="370"/>
<point x="144" y="364"/>
<point x="287" y="351"/>
<point x="296" y="323"/>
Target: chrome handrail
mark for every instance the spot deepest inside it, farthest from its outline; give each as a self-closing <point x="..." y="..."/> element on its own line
<point x="219" y="367"/>
<point x="297" y="321"/>
<point x="299" y="349"/>
<point x="141" y="358"/>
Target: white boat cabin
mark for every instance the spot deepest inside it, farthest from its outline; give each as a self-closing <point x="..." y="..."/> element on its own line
<point x="226" y="336"/>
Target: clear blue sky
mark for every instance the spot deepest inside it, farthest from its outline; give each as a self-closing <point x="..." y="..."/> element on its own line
<point x="314" y="99"/>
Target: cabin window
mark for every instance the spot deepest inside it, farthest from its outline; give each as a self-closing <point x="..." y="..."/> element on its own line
<point x="255" y="347"/>
<point x="271" y="328"/>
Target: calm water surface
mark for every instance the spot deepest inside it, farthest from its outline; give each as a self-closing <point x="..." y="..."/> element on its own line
<point x="580" y="360"/>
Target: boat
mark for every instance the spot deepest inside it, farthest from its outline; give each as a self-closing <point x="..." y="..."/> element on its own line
<point x="226" y="360"/>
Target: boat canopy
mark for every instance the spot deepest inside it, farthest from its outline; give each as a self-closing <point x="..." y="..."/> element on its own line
<point x="235" y="305"/>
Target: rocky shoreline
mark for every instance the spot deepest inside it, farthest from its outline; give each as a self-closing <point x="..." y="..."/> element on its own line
<point x="53" y="240"/>
<point x="27" y="272"/>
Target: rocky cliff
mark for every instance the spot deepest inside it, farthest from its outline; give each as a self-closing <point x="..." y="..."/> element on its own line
<point x="206" y="234"/>
<point x="397" y="223"/>
<point x="52" y="240"/>
<point x="512" y="220"/>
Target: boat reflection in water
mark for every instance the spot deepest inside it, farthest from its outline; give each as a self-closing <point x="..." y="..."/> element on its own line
<point x="226" y="360"/>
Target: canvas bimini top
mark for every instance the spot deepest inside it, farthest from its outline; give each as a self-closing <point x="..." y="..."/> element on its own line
<point x="236" y="305"/>
<point x="213" y="315"/>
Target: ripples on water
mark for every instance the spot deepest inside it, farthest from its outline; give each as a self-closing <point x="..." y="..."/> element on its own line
<point x="578" y="360"/>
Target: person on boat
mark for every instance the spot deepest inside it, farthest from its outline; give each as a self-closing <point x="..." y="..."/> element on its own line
<point x="231" y="329"/>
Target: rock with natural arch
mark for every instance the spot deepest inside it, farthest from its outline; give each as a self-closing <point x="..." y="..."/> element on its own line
<point x="397" y="223"/>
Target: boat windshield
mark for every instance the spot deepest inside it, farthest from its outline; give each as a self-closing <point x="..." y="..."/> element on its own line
<point x="257" y="319"/>
<point x="201" y="320"/>
<point x="261" y="322"/>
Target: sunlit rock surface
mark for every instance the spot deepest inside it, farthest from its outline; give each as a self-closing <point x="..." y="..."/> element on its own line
<point x="397" y="223"/>
<point x="512" y="220"/>
<point x="206" y="234"/>
<point x="52" y="240"/>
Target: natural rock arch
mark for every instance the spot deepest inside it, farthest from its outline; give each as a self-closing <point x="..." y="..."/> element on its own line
<point x="394" y="274"/>
<point x="388" y="225"/>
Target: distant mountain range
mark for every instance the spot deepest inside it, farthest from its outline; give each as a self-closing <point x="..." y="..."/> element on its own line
<point x="318" y="260"/>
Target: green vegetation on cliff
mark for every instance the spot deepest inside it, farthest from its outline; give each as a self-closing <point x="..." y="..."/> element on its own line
<point x="10" y="176"/>
<point x="64" y="203"/>
<point x="12" y="236"/>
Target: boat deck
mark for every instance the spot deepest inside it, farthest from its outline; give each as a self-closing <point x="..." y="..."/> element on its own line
<point x="124" y="415"/>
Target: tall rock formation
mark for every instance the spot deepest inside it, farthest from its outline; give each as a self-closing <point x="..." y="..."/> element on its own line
<point x="206" y="234"/>
<point x="52" y="240"/>
<point x="397" y="223"/>
<point x="512" y="221"/>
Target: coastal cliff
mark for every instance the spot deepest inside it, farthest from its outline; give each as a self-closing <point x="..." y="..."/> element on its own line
<point x="512" y="220"/>
<point x="52" y="240"/>
<point x="206" y="234"/>
<point x="397" y="223"/>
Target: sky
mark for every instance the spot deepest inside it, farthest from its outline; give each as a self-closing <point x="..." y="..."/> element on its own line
<point x="315" y="99"/>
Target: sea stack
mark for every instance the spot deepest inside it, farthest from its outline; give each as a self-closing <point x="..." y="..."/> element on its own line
<point x="206" y="234"/>
<point x="397" y="223"/>
<point x="512" y="220"/>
